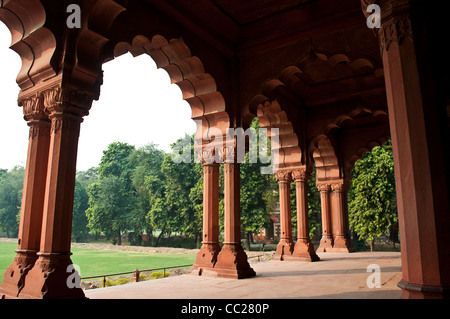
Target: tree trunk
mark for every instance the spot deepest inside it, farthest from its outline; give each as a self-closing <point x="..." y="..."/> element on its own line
<point x="197" y="239"/>
<point x="160" y="235"/>
<point x="372" y="245"/>
<point x="248" y="240"/>
<point x="119" y="238"/>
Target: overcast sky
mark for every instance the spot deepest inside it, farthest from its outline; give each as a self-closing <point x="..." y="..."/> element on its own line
<point x="137" y="105"/>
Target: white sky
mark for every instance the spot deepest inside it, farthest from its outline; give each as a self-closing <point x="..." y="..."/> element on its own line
<point x="137" y="105"/>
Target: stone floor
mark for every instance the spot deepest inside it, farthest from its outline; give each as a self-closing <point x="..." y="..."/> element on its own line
<point x="336" y="275"/>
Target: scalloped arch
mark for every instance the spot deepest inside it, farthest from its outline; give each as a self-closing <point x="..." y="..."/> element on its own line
<point x="350" y="162"/>
<point x="272" y="116"/>
<point x="199" y="88"/>
<point x="30" y="39"/>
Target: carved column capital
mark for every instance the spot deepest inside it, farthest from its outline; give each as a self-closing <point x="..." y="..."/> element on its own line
<point x="229" y="154"/>
<point x="301" y="175"/>
<point x="75" y="100"/>
<point x="395" y="21"/>
<point x="324" y="188"/>
<point x="395" y="31"/>
<point x="338" y="187"/>
<point x="283" y="176"/>
<point x="33" y="108"/>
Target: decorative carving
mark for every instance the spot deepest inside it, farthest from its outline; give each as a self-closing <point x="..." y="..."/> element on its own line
<point x="229" y="168"/>
<point x="210" y="168"/>
<point x="283" y="176"/>
<point x="395" y="31"/>
<point x="324" y="187"/>
<point x="337" y="187"/>
<point x="300" y="175"/>
<point x="52" y="97"/>
<point x="33" y="108"/>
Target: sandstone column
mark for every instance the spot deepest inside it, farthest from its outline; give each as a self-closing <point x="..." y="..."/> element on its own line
<point x="415" y="59"/>
<point x="207" y="256"/>
<point x="286" y="244"/>
<point x="341" y="240"/>
<point x="49" y="275"/>
<point x="326" y="243"/>
<point x="303" y="249"/>
<point x="232" y="260"/>
<point x="32" y="198"/>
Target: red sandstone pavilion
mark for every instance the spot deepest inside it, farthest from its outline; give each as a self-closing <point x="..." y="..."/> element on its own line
<point x="314" y="70"/>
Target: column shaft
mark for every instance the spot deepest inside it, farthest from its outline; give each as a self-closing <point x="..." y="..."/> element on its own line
<point x="341" y="241"/>
<point x="31" y="208"/>
<point x="326" y="243"/>
<point x="286" y="244"/>
<point x="232" y="260"/>
<point x="47" y="279"/>
<point x="412" y="49"/>
<point x="207" y="256"/>
<point x="303" y="249"/>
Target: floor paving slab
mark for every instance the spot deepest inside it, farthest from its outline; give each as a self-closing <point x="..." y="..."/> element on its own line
<point x="335" y="276"/>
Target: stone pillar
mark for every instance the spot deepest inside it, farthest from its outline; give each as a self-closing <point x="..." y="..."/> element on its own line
<point x="414" y="60"/>
<point x="326" y="243"/>
<point x="232" y="260"/>
<point x="303" y="249"/>
<point x="341" y="240"/>
<point x="32" y="198"/>
<point x="207" y="256"/>
<point x="286" y="245"/>
<point x="48" y="277"/>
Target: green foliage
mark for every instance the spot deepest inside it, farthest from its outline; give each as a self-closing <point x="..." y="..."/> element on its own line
<point x="119" y="281"/>
<point x="11" y="188"/>
<point x="372" y="197"/>
<point x="258" y="195"/>
<point x="112" y="195"/>
<point x="79" y="220"/>
<point x="159" y="274"/>
<point x="175" y="201"/>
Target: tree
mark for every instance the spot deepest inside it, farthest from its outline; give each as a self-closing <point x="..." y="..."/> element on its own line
<point x="109" y="207"/>
<point x="147" y="162"/>
<point x="11" y="188"/>
<point x="85" y="178"/>
<point x="80" y="205"/>
<point x="175" y="204"/>
<point x="256" y="192"/>
<point x="112" y="195"/>
<point x="372" y="200"/>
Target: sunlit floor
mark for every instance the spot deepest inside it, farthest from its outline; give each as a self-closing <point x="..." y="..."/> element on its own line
<point x="336" y="275"/>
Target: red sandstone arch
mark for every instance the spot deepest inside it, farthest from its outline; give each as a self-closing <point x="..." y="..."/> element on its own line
<point x="31" y="39"/>
<point x="359" y="153"/>
<point x="199" y="88"/>
<point x="328" y="164"/>
<point x="272" y="116"/>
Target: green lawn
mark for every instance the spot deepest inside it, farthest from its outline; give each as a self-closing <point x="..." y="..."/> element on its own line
<point x="98" y="261"/>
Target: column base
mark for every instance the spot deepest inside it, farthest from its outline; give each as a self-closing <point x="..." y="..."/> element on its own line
<point x="326" y="244"/>
<point x="418" y="291"/>
<point x="284" y="248"/>
<point x="206" y="259"/>
<point x="342" y="245"/>
<point x="303" y="251"/>
<point x="50" y="279"/>
<point x="232" y="262"/>
<point x="14" y="277"/>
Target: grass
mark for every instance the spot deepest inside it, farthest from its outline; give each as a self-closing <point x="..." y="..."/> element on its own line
<point x="94" y="262"/>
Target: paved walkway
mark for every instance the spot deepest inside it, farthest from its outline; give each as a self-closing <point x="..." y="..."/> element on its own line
<point x="337" y="275"/>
